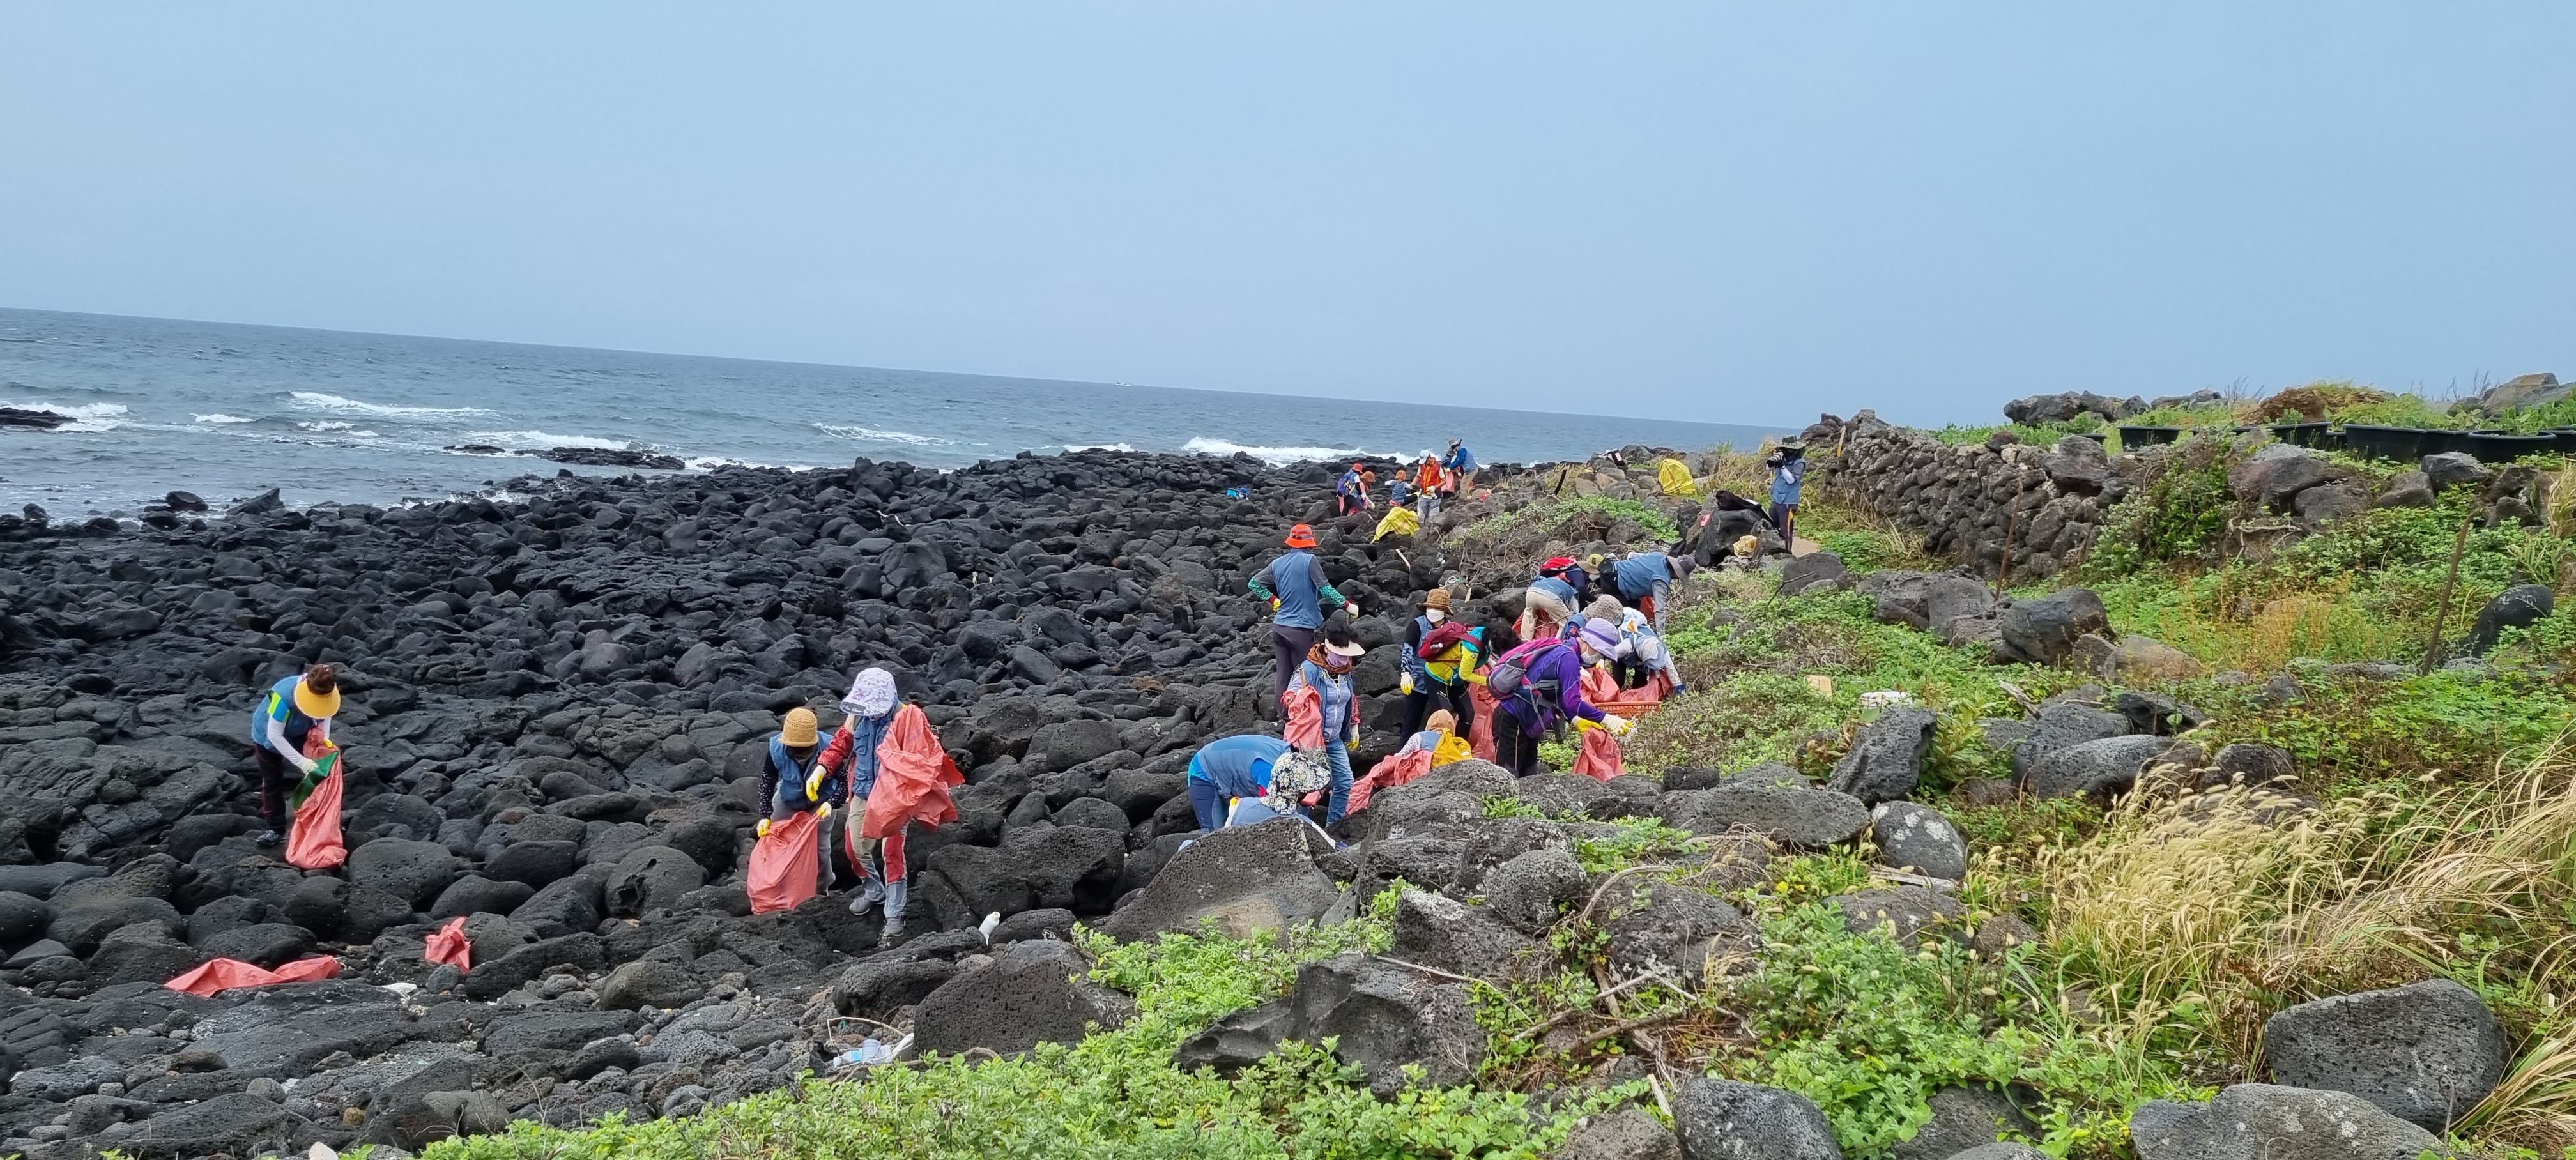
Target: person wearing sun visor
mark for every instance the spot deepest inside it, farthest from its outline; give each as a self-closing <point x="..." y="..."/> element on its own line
<point x="293" y="712"/>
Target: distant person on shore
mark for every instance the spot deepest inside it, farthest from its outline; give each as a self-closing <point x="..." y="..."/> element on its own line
<point x="1537" y="687"/>
<point x="289" y="714"/>
<point x="1788" y="467"/>
<point x="1294" y="585"/>
<point x="1323" y="686"/>
<point x="1429" y="482"/>
<point x="1350" y="492"/>
<point x="851" y="759"/>
<point x="1438" y="655"/>
<point x="1461" y="464"/>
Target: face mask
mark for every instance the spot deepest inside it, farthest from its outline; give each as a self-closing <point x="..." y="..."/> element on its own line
<point x="1435" y="615"/>
<point x="1336" y="663"/>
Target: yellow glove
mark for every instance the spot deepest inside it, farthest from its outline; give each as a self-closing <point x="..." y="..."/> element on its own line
<point x="814" y="786"/>
<point x="761" y="830"/>
<point x="1274" y="604"/>
<point x="822" y="811"/>
<point x="1407" y="681"/>
<point x="1353" y="745"/>
<point x="1618" y="726"/>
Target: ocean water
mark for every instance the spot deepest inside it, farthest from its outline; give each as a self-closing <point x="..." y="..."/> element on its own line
<point x="227" y="411"/>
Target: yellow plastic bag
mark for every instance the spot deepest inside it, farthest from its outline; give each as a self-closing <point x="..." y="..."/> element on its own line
<point x="1451" y="748"/>
<point x="1398" y="522"/>
<point x="1676" y="478"/>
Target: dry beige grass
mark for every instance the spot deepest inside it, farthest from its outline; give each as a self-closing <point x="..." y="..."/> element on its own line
<point x="2240" y="902"/>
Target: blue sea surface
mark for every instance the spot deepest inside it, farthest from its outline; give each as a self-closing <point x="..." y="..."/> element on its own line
<point x="227" y="411"/>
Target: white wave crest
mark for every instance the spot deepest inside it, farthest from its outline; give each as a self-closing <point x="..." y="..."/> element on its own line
<point x="1070" y="448"/>
<point x="873" y="435"/>
<point x="1282" y="456"/>
<point x="320" y="401"/>
<point x="221" y="418"/>
<point x="541" y="440"/>
<point x="85" y="416"/>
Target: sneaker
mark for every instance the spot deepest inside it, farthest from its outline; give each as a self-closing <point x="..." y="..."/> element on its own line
<point x="271" y="839"/>
<point x="893" y="929"/>
<point x="860" y="903"/>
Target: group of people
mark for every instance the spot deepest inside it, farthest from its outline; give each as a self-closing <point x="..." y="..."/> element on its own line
<point x="881" y="772"/>
<point x="1436" y="478"/>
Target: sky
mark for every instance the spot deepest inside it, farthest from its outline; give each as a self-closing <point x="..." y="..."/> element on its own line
<point x="1704" y="211"/>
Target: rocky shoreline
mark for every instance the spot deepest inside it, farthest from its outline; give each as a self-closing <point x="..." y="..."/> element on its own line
<point x="554" y="710"/>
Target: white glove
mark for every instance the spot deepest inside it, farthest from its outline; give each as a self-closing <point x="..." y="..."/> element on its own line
<point x="307" y="764"/>
<point x="1354" y="607"/>
<point x="1407" y="682"/>
<point x="1617" y="725"/>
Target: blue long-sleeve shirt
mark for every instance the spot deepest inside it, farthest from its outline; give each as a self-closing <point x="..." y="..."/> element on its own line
<point x="1238" y="766"/>
<point x="1636" y="576"/>
<point x="1786" y="479"/>
<point x="1460" y="459"/>
<point x="1334" y="698"/>
<point x="1296" y="579"/>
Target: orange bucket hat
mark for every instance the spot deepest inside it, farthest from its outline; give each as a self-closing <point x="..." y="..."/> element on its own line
<point x="1301" y="536"/>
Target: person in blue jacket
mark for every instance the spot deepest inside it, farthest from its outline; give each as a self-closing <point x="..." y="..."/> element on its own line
<point x="1242" y="766"/>
<point x="1788" y="473"/>
<point x="290" y="713"/>
<point x="1461" y="463"/>
<point x="1644" y="581"/>
<point x="1294" y="585"/>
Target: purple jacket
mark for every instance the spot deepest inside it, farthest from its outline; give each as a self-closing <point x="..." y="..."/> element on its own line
<point x="1559" y="664"/>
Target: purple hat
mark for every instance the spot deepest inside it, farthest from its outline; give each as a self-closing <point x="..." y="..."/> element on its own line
<point x="1601" y="637"/>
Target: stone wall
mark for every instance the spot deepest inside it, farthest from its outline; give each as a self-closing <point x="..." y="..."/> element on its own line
<point x="1966" y="502"/>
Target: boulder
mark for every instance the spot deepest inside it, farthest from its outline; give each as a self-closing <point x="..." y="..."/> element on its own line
<point x="1247" y="878"/>
<point x="2043" y="631"/>
<point x="2253" y="1121"/>
<point x="1723" y="1119"/>
<point x="1238" y="1039"/>
<point x="1917" y="837"/>
<point x="1819" y="569"/>
<point x="545" y="1030"/>
<point x="23" y="918"/>
<point x="1660" y="926"/>
<point x="1033" y="992"/>
<point x="1907" y="912"/>
<point x="2276" y="474"/>
<point x="650" y="878"/>
<point x="1620" y="1134"/>
<point x="2062" y="726"/>
<point x="2425" y="1052"/>
<point x="2450" y="469"/>
<point x="1529" y="891"/>
<point x="2107" y="766"/>
<point x="1468" y="940"/>
<point x="1790" y="815"/>
<point x="2330" y="501"/>
<point x="2406" y="489"/>
<point x="263" y="944"/>
<point x="236" y="1123"/>
<point x="2515" y="607"/>
<point x="414" y="872"/>
<point x="1964" y="1119"/>
<point x="1886" y="761"/>
<point x="649" y="983"/>
<point x="533" y="863"/>
<point x="876" y="988"/>
<point x="1384" y="1017"/>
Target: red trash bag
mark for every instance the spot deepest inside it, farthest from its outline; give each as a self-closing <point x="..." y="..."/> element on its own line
<point x="313" y="841"/>
<point x="1599" y="685"/>
<point x="785" y="865"/>
<point x="225" y="974"/>
<point x="1305" y="711"/>
<point x="1599" y="757"/>
<point x="913" y="776"/>
<point x="449" y="946"/>
<point x="1480" y="722"/>
<point x="1390" y="771"/>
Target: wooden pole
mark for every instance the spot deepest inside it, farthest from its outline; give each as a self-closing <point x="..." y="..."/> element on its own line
<point x="2442" y="611"/>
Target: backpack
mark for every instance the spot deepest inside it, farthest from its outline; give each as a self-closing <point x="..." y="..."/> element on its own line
<point x="1509" y="676"/>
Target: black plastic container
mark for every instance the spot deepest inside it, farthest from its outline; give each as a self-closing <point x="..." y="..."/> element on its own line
<point x="2302" y="434"/>
<point x="2440" y="441"/>
<point x="2498" y="447"/>
<point x="2404" y="444"/>
<point x="2135" y="437"/>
